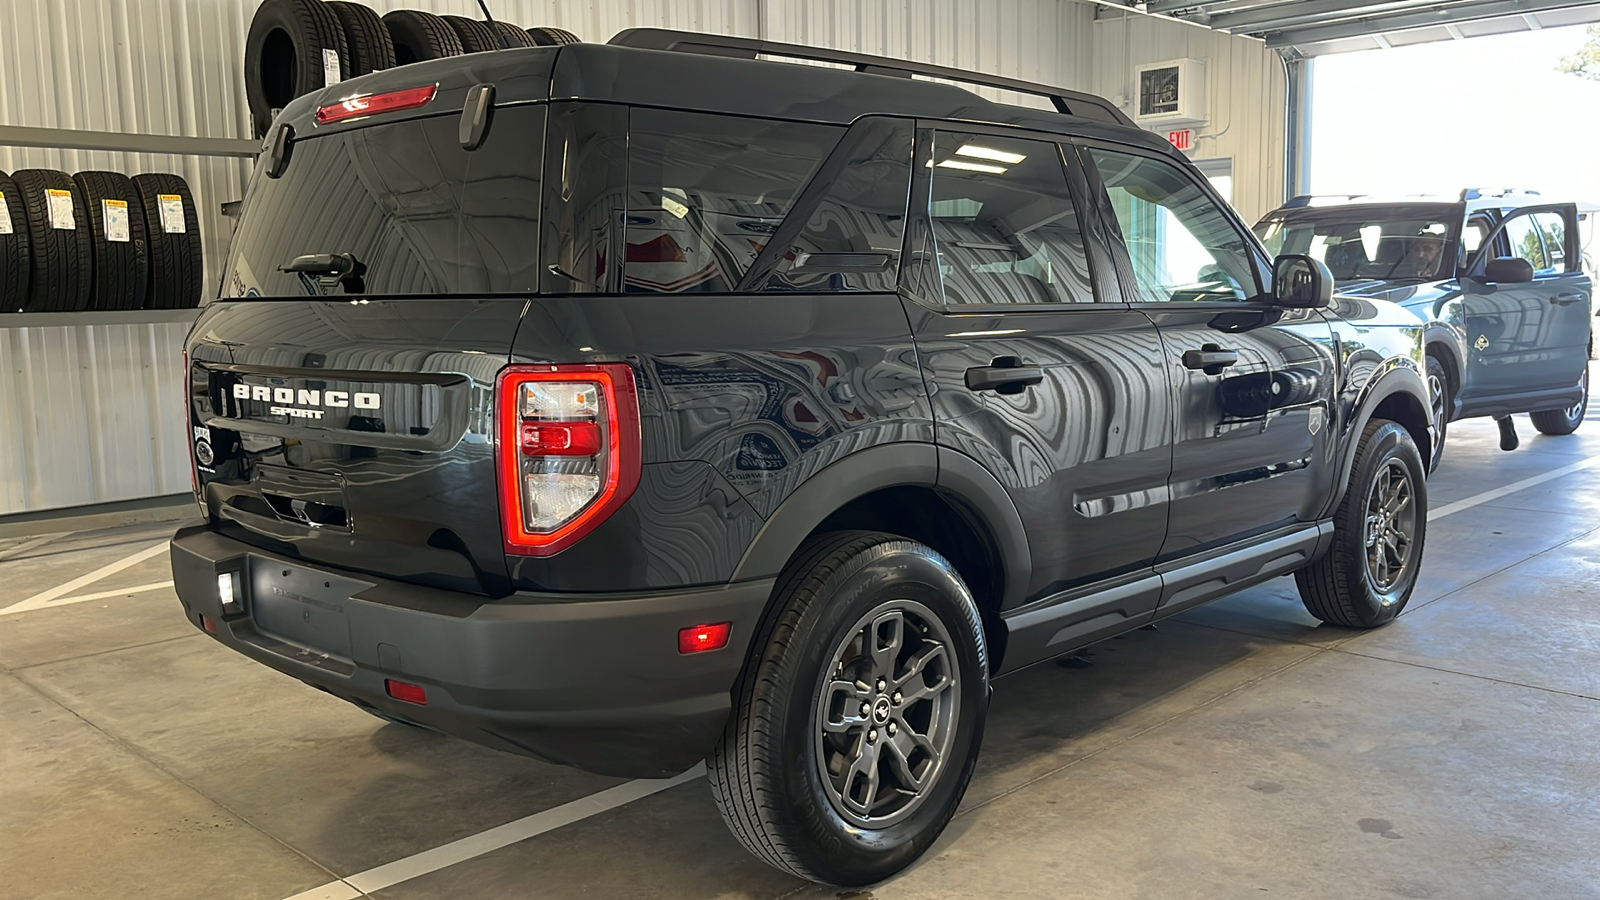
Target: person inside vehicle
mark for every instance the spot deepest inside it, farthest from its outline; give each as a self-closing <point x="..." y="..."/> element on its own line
<point x="1422" y="261"/>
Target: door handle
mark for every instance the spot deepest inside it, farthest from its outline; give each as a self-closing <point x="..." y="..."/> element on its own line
<point x="1005" y="375"/>
<point x="1210" y="358"/>
<point x="1566" y="298"/>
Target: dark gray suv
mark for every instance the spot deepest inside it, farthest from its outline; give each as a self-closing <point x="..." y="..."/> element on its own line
<point x="639" y="404"/>
<point x="1498" y="276"/>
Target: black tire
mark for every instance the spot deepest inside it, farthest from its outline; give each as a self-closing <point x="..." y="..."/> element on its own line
<point x="420" y="36"/>
<point x="1564" y="421"/>
<point x="177" y="260"/>
<point x="283" y="55"/>
<point x="1343" y="588"/>
<point x="61" y="258"/>
<point x="16" y="254"/>
<point x="476" y="36"/>
<point x="767" y="773"/>
<point x="1439" y="390"/>
<point x="545" y="36"/>
<point x="514" y="36"/>
<point x="121" y="267"/>
<point x="366" y="37"/>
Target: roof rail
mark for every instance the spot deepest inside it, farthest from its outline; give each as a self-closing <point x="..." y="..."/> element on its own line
<point x="1072" y="103"/>
<point x="1304" y="200"/>
<point x="1479" y="193"/>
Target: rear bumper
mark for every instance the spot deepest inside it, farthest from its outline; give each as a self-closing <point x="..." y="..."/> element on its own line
<point x="590" y="681"/>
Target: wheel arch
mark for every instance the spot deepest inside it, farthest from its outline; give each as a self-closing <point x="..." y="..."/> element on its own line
<point x="1399" y="395"/>
<point x="933" y="495"/>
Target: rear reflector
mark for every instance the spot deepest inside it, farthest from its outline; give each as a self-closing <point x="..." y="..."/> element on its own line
<point x="208" y="623"/>
<point x="699" y="638"/>
<point x="410" y="693"/>
<point x="373" y="104"/>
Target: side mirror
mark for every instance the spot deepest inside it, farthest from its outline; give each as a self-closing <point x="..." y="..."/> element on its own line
<point x="1508" y="270"/>
<point x="1300" y="282"/>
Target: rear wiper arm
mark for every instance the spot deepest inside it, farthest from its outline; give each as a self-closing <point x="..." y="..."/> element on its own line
<point x="342" y="269"/>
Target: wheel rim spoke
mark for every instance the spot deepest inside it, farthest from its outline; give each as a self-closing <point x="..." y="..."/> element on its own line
<point x="861" y="779"/>
<point x="886" y="638"/>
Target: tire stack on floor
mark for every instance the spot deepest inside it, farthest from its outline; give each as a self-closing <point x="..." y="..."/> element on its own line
<point x="97" y="240"/>
<point x="296" y="47"/>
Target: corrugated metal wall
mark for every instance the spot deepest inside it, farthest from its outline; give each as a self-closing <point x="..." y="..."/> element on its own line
<point x="1247" y="102"/>
<point x="89" y="413"/>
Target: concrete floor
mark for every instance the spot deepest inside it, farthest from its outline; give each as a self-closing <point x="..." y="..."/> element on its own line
<point x="1241" y="750"/>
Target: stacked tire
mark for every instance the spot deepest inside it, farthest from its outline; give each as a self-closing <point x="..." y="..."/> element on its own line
<point x="97" y="240"/>
<point x="295" y="47"/>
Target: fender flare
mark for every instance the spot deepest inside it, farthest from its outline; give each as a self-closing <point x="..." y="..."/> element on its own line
<point x="960" y="478"/>
<point x="1401" y="377"/>
<point x="1454" y="347"/>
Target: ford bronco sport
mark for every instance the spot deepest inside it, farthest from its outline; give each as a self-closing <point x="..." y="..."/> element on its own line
<point x="639" y="404"/>
<point x="1498" y="277"/>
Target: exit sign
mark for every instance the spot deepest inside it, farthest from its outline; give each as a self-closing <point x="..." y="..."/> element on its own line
<point x="1182" y="139"/>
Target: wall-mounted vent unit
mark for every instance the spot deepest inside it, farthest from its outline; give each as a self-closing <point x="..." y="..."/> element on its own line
<point x="1171" y="93"/>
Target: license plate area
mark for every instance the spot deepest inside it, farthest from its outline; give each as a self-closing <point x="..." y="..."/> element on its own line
<point x="302" y="607"/>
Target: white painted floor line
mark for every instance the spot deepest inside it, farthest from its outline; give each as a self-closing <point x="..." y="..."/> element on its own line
<point x="106" y="595"/>
<point x="502" y="836"/>
<point x="1450" y="509"/>
<point x="48" y="598"/>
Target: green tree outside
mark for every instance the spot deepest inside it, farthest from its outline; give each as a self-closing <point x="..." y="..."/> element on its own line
<point x="1586" y="62"/>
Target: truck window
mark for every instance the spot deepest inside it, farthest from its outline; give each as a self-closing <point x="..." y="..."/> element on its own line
<point x="421" y="214"/>
<point x="706" y="193"/>
<point x="1004" y="222"/>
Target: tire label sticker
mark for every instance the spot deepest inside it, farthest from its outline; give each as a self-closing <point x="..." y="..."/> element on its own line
<point x="172" y="221"/>
<point x="330" y="68"/>
<point x="116" y="212"/>
<point x="61" y="210"/>
<point x="5" y="216"/>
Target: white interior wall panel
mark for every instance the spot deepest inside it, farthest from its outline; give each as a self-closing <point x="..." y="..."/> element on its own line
<point x="1046" y="41"/>
<point x="91" y="414"/>
<point x="1247" y="104"/>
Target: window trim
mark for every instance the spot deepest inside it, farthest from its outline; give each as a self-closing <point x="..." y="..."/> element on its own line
<point x="1259" y="263"/>
<point x="914" y="256"/>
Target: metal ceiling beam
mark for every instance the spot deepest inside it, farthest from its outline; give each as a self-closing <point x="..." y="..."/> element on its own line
<point x="1430" y="17"/>
<point x="1319" y="12"/>
<point x="1168" y="7"/>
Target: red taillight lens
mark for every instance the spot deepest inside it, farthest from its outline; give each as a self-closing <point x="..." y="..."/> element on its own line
<point x="373" y="104"/>
<point x="410" y="693"/>
<point x="560" y="438"/>
<point x="568" y="451"/>
<point x="700" y="638"/>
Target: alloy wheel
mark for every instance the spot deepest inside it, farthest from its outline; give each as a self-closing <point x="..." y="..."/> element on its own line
<point x="1391" y="523"/>
<point x="886" y="713"/>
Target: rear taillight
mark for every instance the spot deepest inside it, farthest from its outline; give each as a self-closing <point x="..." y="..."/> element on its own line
<point x="568" y="451"/>
<point x="373" y="104"/>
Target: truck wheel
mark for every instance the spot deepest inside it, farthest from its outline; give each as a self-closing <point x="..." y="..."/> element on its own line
<point x="857" y="721"/>
<point x="1366" y="577"/>
<point x="1439" y="390"/>
<point x="1564" y="421"/>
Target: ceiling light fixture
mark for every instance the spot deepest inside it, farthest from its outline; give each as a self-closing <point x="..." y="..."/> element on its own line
<point x="972" y="166"/>
<point x="977" y="151"/>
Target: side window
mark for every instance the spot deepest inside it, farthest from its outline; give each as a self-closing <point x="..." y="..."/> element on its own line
<point x="1554" y="230"/>
<point x="1004" y="222"/>
<point x="1472" y="237"/>
<point x="1527" y="243"/>
<point x="855" y="216"/>
<point x="1181" y="244"/>
<point x="706" y="193"/>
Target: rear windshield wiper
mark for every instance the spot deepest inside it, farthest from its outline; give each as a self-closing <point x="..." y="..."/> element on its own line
<point x="320" y="272"/>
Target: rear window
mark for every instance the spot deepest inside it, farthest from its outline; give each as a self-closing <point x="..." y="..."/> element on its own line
<point x="417" y="211"/>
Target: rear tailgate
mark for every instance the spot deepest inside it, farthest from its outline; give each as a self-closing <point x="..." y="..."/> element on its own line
<point x="355" y="434"/>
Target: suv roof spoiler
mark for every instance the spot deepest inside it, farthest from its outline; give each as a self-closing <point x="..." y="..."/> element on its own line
<point x="1072" y="103"/>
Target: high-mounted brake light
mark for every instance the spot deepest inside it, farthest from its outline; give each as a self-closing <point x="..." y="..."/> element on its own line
<point x="373" y="104"/>
<point x="568" y="451"/>
<point x="701" y="638"/>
